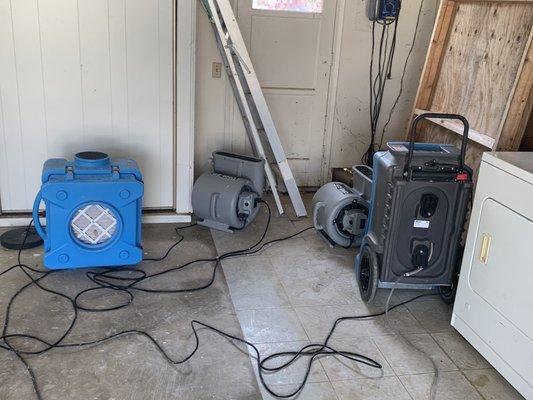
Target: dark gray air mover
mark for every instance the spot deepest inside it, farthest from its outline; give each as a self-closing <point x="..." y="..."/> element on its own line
<point x="228" y="198"/>
<point x="340" y="212"/>
<point x="420" y="193"/>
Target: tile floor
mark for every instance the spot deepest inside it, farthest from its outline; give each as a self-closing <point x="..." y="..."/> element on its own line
<point x="289" y="295"/>
<point x="129" y="368"/>
<point x="285" y="297"/>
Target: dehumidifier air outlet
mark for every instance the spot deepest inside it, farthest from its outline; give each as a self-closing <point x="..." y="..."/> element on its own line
<point x="93" y="224"/>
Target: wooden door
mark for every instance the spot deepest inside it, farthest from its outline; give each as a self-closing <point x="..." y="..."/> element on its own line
<point x="292" y="54"/>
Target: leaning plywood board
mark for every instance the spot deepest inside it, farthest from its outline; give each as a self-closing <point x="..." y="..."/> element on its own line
<point x="479" y="65"/>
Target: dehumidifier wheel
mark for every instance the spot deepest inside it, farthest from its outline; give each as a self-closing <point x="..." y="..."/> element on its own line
<point x="367" y="271"/>
<point x="447" y="293"/>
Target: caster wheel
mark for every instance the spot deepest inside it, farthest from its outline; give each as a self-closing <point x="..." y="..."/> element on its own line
<point x="367" y="272"/>
<point x="447" y="293"/>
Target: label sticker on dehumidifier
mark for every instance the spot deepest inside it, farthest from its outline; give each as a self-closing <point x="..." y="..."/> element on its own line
<point x="421" y="223"/>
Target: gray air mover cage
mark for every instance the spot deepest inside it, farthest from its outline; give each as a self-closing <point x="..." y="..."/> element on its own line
<point x="420" y="195"/>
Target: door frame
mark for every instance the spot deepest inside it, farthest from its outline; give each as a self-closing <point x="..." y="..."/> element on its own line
<point x="184" y="44"/>
<point x="184" y="85"/>
<point x="331" y="104"/>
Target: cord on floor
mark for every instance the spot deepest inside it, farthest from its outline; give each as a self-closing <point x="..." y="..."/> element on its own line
<point x="108" y="279"/>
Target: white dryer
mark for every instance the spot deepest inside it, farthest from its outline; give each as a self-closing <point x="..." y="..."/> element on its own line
<point x="494" y="304"/>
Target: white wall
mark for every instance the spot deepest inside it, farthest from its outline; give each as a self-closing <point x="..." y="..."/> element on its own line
<point x="85" y="75"/>
<point x="217" y="126"/>
<point x="351" y="127"/>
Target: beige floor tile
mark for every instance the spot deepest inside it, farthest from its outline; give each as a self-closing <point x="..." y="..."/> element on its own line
<point x="435" y="315"/>
<point x="311" y="391"/>
<point x="319" y="281"/>
<point x="492" y="385"/>
<point x="287" y="249"/>
<point x="271" y="325"/>
<point x="406" y="360"/>
<point x="296" y="259"/>
<point x="254" y="284"/>
<point x="322" y="290"/>
<point x="460" y="351"/>
<point x="387" y="388"/>
<point x="318" y="243"/>
<point x="450" y="386"/>
<point x="339" y="368"/>
<point x="318" y="321"/>
<point x="295" y="372"/>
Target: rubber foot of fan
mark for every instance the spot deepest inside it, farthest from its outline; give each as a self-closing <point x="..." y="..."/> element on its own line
<point x="14" y="238"/>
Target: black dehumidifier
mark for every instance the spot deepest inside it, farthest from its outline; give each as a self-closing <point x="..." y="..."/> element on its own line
<point x="420" y="195"/>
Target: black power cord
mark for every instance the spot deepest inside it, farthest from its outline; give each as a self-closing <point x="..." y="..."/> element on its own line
<point x="180" y="239"/>
<point x="100" y="279"/>
<point x="108" y="280"/>
<point x="406" y="62"/>
<point x="378" y="82"/>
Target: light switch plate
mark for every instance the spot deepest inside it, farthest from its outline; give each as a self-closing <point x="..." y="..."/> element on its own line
<point x="216" y="70"/>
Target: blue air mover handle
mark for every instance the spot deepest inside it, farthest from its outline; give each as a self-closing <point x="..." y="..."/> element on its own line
<point x="35" y="213"/>
<point x="412" y="135"/>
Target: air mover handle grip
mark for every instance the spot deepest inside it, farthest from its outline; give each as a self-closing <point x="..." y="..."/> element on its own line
<point x="35" y="213"/>
<point x="412" y="135"/>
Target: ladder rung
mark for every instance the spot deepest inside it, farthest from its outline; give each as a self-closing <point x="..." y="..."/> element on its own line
<point x="251" y="101"/>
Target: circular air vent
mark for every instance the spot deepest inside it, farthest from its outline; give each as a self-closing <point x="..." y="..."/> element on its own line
<point x="93" y="224"/>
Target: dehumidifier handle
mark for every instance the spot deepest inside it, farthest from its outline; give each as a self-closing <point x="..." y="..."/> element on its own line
<point x="412" y="135"/>
<point x="35" y="213"/>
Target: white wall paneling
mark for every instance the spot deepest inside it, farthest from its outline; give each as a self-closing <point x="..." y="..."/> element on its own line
<point x="96" y="74"/>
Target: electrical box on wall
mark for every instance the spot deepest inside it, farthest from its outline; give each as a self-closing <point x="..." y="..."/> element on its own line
<point x="379" y="10"/>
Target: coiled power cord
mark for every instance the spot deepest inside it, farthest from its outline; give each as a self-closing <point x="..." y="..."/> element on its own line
<point x="110" y="279"/>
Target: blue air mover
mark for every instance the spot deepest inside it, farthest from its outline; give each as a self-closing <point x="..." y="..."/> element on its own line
<point x="93" y="211"/>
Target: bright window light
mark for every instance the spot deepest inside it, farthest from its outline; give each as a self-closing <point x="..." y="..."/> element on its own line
<point x="306" y="6"/>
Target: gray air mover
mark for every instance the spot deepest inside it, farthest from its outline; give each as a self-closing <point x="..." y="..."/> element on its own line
<point x="228" y="198"/>
<point x="340" y="212"/>
<point x="420" y="194"/>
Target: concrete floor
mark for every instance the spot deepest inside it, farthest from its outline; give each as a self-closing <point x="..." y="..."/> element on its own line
<point x="130" y="367"/>
<point x="283" y="298"/>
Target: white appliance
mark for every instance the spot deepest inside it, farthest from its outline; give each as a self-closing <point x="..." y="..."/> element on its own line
<point x="494" y="304"/>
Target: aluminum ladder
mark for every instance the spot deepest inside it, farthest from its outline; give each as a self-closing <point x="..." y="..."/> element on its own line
<point x="255" y="114"/>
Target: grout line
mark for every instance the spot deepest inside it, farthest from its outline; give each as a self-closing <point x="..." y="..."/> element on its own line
<point x="276" y="276"/>
<point x="458" y="368"/>
<point x="335" y="391"/>
<point x="403" y="385"/>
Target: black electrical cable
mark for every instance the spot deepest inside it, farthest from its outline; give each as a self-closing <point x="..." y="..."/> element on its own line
<point x="312" y="351"/>
<point x="377" y="86"/>
<point x="180" y="239"/>
<point x="406" y="62"/>
<point x="6" y="336"/>
<point x="385" y="56"/>
<point x="315" y="350"/>
<point x="393" y="47"/>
